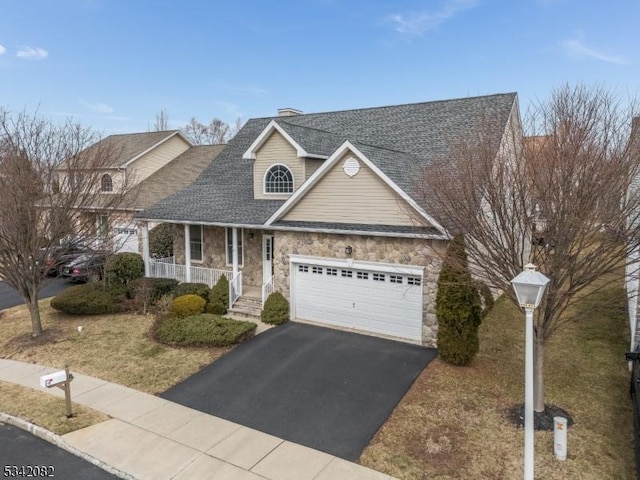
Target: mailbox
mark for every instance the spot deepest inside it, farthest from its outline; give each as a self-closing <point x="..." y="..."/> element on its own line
<point x="54" y="379"/>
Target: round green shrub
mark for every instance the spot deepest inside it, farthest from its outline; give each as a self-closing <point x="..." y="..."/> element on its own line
<point x="276" y="309"/>
<point x="187" y="305"/>
<point x="458" y="308"/>
<point x="152" y="288"/>
<point x="219" y="297"/>
<point x="161" y="240"/>
<point x="124" y="267"/>
<point x="200" y="289"/>
<point x="204" y="330"/>
<point x="89" y="299"/>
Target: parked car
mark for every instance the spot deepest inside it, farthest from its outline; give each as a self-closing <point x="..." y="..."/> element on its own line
<point x="86" y="267"/>
<point x="61" y="255"/>
<point x="634" y="390"/>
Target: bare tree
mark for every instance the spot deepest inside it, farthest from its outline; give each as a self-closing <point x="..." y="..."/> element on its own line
<point x="50" y="175"/>
<point x="161" y="122"/>
<point x="565" y="187"/>
<point x="217" y="131"/>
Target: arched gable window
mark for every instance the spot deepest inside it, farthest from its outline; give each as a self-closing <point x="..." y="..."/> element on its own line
<point x="106" y="184"/>
<point x="278" y="179"/>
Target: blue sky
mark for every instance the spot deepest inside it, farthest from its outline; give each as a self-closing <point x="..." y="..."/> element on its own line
<point x="113" y="64"/>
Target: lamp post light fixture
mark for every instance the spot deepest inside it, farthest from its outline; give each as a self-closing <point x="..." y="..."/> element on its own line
<point x="529" y="287"/>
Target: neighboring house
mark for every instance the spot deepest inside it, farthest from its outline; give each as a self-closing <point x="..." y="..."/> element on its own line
<point x="633" y="259"/>
<point x="324" y="209"/>
<point x="147" y="167"/>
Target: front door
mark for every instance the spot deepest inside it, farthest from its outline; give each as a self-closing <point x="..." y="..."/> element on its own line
<point x="267" y="258"/>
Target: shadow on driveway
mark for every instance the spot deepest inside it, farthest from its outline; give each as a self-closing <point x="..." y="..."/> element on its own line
<point x="323" y="388"/>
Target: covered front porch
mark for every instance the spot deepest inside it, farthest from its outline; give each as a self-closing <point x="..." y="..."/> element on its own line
<point x="202" y="254"/>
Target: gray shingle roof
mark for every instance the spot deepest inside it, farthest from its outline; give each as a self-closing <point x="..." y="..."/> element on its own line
<point x="398" y="140"/>
<point x="127" y="146"/>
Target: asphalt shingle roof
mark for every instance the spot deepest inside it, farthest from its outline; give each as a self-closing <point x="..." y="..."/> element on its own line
<point x="127" y="146"/>
<point x="398" y="139"/>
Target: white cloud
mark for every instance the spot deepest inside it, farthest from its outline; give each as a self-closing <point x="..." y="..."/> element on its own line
<point x="2" y="50"/>
<point x="32" y="53"/>
<point x="417" y="23"/>
<point x="576" y="48"/>
<point x="97" y="107"/>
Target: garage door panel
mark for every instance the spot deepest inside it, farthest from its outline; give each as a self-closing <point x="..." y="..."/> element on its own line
<point x="355" y="298"/>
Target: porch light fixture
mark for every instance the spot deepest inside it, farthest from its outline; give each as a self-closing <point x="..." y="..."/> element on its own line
<point x="529" y="287"/>
<point x="348" y="250"/>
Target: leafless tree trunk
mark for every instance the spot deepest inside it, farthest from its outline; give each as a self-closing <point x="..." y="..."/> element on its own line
<point x="162" y="121"/>
<point x="50" y="179"/>
<point x="566" y="187"/>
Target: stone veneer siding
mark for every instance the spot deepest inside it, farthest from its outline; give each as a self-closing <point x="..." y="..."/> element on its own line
<point x="408" y="251"/>
<point x="214" y="252"/>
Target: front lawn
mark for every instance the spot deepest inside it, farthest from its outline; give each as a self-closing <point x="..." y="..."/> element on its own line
<point x="452" y="423"/>
<point x="114" y="347"/>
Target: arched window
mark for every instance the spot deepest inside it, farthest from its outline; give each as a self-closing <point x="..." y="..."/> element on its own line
<point x="106" y="184"/>
<point x="278" y="179"/>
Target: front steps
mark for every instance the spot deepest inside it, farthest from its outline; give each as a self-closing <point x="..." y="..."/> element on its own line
<point x="247" y="307"/>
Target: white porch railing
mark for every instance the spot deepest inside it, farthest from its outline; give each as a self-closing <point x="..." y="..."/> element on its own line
<point x="235" y="289"/>
<point x="167" y="268"/>
<point x="267" y="289"/>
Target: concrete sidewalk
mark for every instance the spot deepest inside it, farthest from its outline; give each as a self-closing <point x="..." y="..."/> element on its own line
<point x="149" y="437"/>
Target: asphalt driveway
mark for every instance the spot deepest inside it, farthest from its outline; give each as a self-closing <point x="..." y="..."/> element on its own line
<point x="50" y="288"/>
<point x="323" y="388"/>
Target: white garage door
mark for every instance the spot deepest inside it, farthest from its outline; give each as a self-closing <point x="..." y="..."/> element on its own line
<point x="125" y="239"/>
<point x="364" y="296"/>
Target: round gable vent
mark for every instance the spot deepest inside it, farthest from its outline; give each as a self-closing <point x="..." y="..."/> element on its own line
<point x="351" y="166"/>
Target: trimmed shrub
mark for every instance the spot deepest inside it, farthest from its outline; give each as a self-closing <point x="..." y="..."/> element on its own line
<point x="161" y="240"/>
<point x="457" y="307"/>
<point x="187" y="305"/>
<point x="89" y="299"/>
<point x="204" y="330"/>
<point x="200" y="289"/>
<point x="276" y="309"/>
<point x="124" y="267"/>
<point x="219" y="298"/>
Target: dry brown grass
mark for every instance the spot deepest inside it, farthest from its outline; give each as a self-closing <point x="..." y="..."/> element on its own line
<point x="116" y="348"/>
<point x="45" y="410"/>
<point x="452" y="423"/>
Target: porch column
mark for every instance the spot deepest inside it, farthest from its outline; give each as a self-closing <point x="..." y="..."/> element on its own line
<point x="234" y="256"/>
<point x="187" y="254"/>
<point x="145" y="248"/>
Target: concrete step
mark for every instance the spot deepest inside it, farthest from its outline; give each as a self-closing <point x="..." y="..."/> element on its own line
<point x="247" y="307"/>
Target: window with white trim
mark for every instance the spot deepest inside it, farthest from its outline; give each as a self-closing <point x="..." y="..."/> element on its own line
<point x="316" y="270"/>
<point x="230" y="246"/>
<point x="363" y="275"/>
<point x="103" y="227"/>
<point x="378" y="277"/>
<point x="395" y="278"/>
<point x="414" y="281"/>
<point x="195" y="242"/>
<point x="106" y="183"/>
<point x="332" y="272"/>
<point x="347" y="273"/>
<point x="278" y="179"/>
<point x="303" y="268"/>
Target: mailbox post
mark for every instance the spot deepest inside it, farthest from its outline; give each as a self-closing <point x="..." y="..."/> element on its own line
<point x="61" y="379"/>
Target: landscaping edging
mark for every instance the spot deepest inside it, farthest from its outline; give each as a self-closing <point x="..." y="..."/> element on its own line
<point x="59" y="442"/>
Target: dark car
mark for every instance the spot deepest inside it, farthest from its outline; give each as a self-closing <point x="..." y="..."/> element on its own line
<point x="86" y="267"/>
<point x="634" y="390"/>
<point x="61" y="255"/>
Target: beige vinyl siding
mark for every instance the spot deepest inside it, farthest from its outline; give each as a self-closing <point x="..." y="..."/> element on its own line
<point x="276" y="150"/>
<point x="310" y="166"/>
<point x="364" y="198"/>
<point x="155" y="159"/>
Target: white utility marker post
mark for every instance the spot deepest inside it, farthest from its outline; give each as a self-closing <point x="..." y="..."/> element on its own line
<point x="529" y="287"/>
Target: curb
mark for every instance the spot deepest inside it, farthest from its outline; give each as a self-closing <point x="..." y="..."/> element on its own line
<point x="59" y="442"/>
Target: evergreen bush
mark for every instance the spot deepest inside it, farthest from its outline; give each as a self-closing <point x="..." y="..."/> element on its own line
<point x="203" y="330"/>
<point x="124" y="267"/>
<point x="187" y="305"/>
<point x="200" y="289"/>
<point x="276" y="309"/>
<point x="219" y="297"/>
<point x="89" y="299"/>
<point x="161" y="241"/>
<point x="457" y="308"/>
